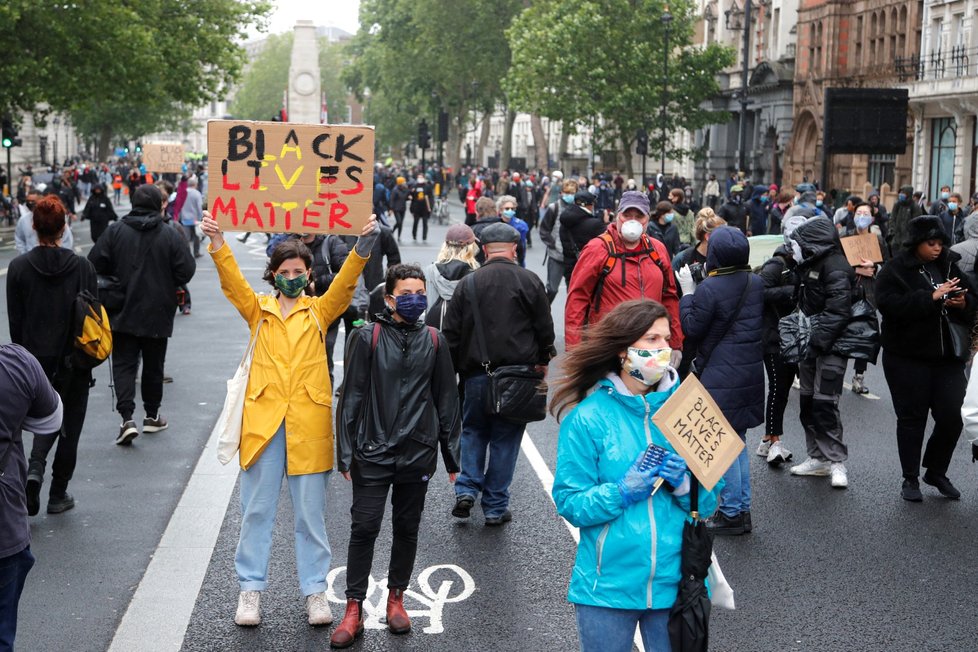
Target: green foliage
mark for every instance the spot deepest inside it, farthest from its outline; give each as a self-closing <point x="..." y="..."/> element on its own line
<point x="259" y="95"/>
<point x="606" y="59"/>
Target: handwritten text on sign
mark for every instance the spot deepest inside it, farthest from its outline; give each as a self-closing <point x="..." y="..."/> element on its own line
<point x="284" y="177"/>
<point x="862" y="247"/>
<point x="163" y="157"/>
<point x="697" y="429"/>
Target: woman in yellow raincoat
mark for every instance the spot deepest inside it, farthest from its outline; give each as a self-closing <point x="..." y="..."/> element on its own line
<point x="287" y="423"/>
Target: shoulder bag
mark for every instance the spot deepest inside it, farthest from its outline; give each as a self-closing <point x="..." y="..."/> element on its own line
<point x="228" y="426"/>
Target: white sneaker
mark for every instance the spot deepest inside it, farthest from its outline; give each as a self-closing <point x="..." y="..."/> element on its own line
<point x="778" y="454"/>
<point x="317" y="606"/>
<point x="840" y="477"/>
<point x="764" y="447"/>
<point x="811" y="466"/>
<point x="249" y="609"/>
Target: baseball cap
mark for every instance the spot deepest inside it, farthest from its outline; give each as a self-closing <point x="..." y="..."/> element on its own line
<point x="634" y="199"/>
<point x="499" y="232"/>
<point x="459" y="234"/>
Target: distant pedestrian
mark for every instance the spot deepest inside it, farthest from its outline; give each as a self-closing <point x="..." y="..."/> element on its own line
<point x="399" y="199"/>
<point x="191" y="213"/>
<point x="550" y="234"/>
<point x="98" y="211"/>
<point x="25" y="236"/>
<point x="455" y="261"/>
<point x="421" y="203"/>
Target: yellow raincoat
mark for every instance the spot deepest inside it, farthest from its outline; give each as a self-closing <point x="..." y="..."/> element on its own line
<point x="289" y="379"/>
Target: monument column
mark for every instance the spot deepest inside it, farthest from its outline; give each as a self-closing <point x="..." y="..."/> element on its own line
<point x="304" y="82"/>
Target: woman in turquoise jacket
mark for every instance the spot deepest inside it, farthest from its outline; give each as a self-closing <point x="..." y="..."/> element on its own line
<point x="627" y="567"/>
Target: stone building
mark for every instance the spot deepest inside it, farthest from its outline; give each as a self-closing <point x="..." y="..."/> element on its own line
<point x="849" y="43"/>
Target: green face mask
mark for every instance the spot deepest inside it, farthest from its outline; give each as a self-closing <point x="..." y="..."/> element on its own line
<point x="291" y="287"/>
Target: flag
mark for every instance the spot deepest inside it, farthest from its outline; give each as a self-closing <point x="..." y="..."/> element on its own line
<point x="323" y="111"/>
<point x="285" y="105"/>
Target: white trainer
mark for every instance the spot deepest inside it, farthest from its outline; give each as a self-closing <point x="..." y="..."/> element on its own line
<point x="317" y="606"/>
<point x="840" y="477"/>
<point x="811" y="466"/>
<point x="249" y="609"/>
<point x="778" y="454"/>
<point x="764" y="447"/>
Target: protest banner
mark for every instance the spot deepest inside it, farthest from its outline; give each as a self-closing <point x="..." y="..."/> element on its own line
<point x="163" y="157"/>
<point x="699" y="432"/>
<point x="278" y="177"/>
<point x="859" y="247"/>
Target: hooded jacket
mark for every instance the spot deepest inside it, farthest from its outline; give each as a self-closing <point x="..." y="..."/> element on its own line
<point x="780" y="295"/>
<point x="99" y="211"/>
<point x="578" y="226"/>
<point x="151" y="260"/>
<point x="442" y="279"/>
<point x="41" y="289"/>
<point x="826" y="282"/>
<point x="735" y="213"/>
<point x="758" y="210"/>
<point x="666" y="233"/>
<point x="900" y="216"/>
<point x="398" y="404"/>
<point x="628" y="557"/>
<point x="732" y="352"/>
<point x="968" y="248"/>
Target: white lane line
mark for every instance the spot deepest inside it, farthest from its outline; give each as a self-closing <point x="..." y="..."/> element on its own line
<point x="869" y="395"/>
<point x="159" y="613"/>
<point x="546" y="477"/>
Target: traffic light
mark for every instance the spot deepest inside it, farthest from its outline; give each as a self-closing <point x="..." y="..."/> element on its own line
<point x="139" y="147"/>
<point x="9" y="134"/>
<point x="442" y="126"/>
<point x="642" y="142"/>
<point x="424" y="136"/>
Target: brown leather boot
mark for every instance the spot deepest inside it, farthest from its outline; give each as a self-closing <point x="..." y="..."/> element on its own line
<point x="397" y="618"/>
<point x="350" y="627"/>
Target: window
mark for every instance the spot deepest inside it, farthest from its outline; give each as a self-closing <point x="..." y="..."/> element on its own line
<point x="943" y="137"/>
<point x="881" y="169"/>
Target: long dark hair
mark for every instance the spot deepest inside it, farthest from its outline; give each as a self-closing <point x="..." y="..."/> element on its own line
<point x="598" y="354"/>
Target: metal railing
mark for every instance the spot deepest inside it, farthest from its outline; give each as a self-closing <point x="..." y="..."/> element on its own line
<point x="959" y="61"/>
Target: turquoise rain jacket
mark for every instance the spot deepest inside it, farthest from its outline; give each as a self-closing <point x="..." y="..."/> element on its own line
<point x="628" y="557"/>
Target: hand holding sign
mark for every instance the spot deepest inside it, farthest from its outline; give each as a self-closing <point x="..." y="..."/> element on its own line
<point x="212" y="230"/>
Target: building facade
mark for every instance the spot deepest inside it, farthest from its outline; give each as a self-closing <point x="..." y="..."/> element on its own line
<point x="943" y="86"/>
<point x="849" y="43"/>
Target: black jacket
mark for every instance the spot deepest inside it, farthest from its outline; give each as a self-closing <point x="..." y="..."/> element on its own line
<point x="578" y="227"/>
<point x="41" y="289"/>
<point x="398" y="403"/>
<point x="515" y="317"/>
<point x="399" y="197"/>
<point x="827" y="280"/>
<point x="327" y="261"/>
<point x="151" y="260"/>
<point x="780" y="295"/>
<point x="912" y="325"/>
<point x="99" y="210"/>
<point x="384" y="247"/>
<point x="666" y="233"/>
<point x="735" y="214"/>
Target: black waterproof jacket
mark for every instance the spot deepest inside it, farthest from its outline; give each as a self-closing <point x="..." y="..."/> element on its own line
<point x="827" y="280"/>
<point x="99" y="211"/>
<point x="398" y="404"/>
<point x="151" y="260"/>
<point x="666" y="233"/>
<point x="780" y="295"/>
<point x="578" y="227"/>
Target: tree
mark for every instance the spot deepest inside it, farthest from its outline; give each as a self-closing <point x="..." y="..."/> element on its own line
<point x="558" y="72"/>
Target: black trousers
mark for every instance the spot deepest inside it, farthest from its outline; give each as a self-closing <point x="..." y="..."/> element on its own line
<point x="367" y="512"/>
<point x="399" y="221"/>
<point x="126" y="352"/>
<point x="72" y="387"/>
<point x="919" y="387"/>
<point x="423" y="217"/>
<point x="779" y="379"/>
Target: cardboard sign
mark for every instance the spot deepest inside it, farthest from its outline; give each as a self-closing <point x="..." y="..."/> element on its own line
<point x="163" y="157"/>
<point x="858" y="247"/>
<point x="699" y="432"/>
<point x="277" y="177"/>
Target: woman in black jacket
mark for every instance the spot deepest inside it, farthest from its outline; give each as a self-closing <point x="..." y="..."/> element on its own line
<point x="927" y="302"/>
<point x="397" y="406"/>
<point x="41" y="289"/>
<point x="99" y="211"/>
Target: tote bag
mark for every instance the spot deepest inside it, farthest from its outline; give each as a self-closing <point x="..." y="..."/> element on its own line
<point x="228" y="426"/>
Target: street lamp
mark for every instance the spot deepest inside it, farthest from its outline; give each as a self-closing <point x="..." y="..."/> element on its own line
<point x="736" y="20"/>
<point x="57" y="132"/>
<point x="667" y="24"/>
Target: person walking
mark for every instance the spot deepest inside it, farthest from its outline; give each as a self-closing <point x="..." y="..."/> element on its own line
<point x="662" y="227"/>
<point x="550" y="235"/>
<point x="421" y="198"/>
<point x="399" y="199"/>
<point x="398" y="405"/>
<point x="41" y="289"/>
<point x="627" y="568"/>
<point x="579" y="223"/>
<point x="190" y="214"/>
<point x="286" y="427"/>
<point x="927" y="304"/>
<point x="98" y="211"/>
<point x="515" y="317"/>
<point x="455" y="261"/>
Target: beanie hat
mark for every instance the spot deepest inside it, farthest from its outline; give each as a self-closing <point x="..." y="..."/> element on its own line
<point x="148" y="196"/>
<point x="459" y="234"/>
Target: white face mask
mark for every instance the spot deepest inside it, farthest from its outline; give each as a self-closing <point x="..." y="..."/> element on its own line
<point x="631" y="231"/>
<point x="796" y="252"/>
<point x="647" y="366"/>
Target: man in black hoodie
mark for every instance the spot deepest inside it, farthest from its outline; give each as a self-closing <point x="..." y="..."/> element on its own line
<point x="99" y="211"/>
<point x="151" y="261"/>
<point x="579" y="224"/>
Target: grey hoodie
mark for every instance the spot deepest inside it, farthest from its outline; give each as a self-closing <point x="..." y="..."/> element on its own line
<point x="968" y="248"/>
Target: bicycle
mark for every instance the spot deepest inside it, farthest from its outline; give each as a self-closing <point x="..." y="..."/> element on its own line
<point x="441" y="211"/>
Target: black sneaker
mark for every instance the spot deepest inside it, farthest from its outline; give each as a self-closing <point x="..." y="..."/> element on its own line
<point x="911" y="491"/>
<point x="463" y="505"/>
<point x="154" y="424"/>
<point x="505" y="517"/>
<point x="34" y="493"/>
<point x="748" y="527"/>
<point x="943" y="485"/>
<point x="723" y="525"/>
<point x="62" y="503"/>
<point x="167" y="379"/>
<point x="127" y="432"/>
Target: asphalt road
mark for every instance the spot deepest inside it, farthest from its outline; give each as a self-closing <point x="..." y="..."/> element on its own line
<point x="824" y="569"/>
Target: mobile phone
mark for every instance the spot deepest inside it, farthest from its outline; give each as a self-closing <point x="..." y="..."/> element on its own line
<point x="956" y="292"/>
<point x="654" y="455"/>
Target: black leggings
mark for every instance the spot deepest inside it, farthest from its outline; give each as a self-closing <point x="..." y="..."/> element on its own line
<point x="779" y="379"/>
<point x="423" y="217"/>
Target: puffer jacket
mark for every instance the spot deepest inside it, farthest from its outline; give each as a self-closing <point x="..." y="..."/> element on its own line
<point x="827" y="280"/>
<point x="732" y="352"/>
<point x="628" y="557"/>
<point x="780" y="295"/>
<point x="578" y="226"/>
<point x="398" y="403"/>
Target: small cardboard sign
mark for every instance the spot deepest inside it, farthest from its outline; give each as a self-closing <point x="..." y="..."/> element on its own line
<point x="859" y="247"/>
<point x="699" y="432"/>
<point x="278" y="177"/>
<point x="163" y="157"/>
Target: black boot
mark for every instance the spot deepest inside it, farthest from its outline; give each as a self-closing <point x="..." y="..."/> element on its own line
<point x="723" y="525"/>
<point x="35" y="478"/>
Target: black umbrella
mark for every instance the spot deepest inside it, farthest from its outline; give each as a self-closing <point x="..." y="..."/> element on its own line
<point x="689" y="620"/>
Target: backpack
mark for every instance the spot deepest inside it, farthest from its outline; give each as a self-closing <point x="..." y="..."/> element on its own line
<point x="614" y="256"/>
<point x="91" y="334"/>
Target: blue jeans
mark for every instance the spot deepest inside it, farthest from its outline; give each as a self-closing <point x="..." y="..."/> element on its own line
<point x="603" y="629"/>
<point x="735" y="495"/>
<point x="13" y="573"/>
<point x="482" y="432"/>
<point x="260" y="487"/>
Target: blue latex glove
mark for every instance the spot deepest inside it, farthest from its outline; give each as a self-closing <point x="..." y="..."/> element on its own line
<point x="636" y="485"/>
<point x="673" y="469"/>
